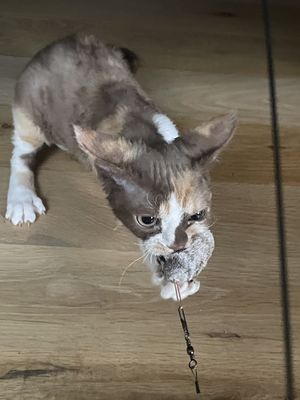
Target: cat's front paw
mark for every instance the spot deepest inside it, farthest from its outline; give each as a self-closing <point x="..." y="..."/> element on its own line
<point x="186" y="289"/>
<point x="23" y="205"/>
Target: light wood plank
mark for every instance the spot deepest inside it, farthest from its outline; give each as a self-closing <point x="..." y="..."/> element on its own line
<point x="67" y="330"/>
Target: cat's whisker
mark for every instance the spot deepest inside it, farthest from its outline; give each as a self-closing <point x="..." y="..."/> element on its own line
<point x="212" y="223"/>
<point x="146" y="255"/>
<point x="127" y="268"/>
<point x="117" y="225"/>
<point x="151" y="257"/>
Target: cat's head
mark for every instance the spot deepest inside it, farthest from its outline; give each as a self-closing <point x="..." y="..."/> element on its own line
<point x="162" y="194"/>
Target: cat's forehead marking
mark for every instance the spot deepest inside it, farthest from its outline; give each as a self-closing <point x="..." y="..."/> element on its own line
<point x="171" y="214"/>
<point x="191" y="191"/>
<point x="166" y="128"/>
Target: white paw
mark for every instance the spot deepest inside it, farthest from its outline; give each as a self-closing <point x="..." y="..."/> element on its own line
<point x="186" y="289"/>
<point x="23" y="205"/>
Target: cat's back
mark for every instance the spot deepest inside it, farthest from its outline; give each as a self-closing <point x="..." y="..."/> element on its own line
<point x="70" y="63"/>
<point x="62" y="84"/>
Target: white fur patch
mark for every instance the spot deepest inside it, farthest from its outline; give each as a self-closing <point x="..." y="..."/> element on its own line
<point x="20" y="149"/>
<point x="22" y="201"/>
<point x="171" y="215"/>
<point x="166" y="128"/>
<point x="171" y="221"/>
<point x="22" y="205"/>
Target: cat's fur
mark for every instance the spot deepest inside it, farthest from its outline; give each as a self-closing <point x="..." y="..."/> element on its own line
<point x="81" y="95"/>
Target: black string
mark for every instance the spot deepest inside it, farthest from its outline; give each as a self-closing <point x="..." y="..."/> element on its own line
<point x="280" y="207"/>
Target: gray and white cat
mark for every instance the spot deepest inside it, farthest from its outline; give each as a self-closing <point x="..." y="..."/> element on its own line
<point x="81" y="95"/>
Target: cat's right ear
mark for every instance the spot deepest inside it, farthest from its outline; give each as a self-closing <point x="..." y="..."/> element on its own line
<point x="109" y="153"/>
<point x="204" y="143"/>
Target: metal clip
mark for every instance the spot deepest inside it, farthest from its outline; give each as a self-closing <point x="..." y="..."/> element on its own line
<point x="189" y="348"/>
<point x="183" y="321"/>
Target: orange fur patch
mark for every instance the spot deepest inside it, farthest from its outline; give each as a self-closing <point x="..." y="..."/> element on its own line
<point x="188" y="195"/>
<point x="27" y="130"/>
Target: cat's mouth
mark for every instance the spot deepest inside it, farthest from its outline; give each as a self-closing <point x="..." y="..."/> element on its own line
<point x="161" y="260"/>
<point x="172" y="272"/>
<point x="185" y="266"/>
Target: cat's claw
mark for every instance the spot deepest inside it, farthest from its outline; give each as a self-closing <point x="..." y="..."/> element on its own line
<point x="22" y="207"/>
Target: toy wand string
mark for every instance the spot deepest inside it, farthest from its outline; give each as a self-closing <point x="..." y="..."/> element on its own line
<point x="189" y="348"/>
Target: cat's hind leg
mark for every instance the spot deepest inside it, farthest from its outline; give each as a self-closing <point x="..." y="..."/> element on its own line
<point x="22" y="202"/>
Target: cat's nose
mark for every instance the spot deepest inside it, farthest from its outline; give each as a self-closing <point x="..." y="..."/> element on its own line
<point x="177" y="247"/>
<point x="180" y="241"/>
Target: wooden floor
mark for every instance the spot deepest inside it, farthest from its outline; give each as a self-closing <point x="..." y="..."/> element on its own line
<point x="67" y="331"/>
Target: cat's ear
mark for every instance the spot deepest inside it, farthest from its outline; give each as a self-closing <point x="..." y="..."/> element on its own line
<point x="204" y="143"/>
<point x="108" y="152"/>
<point x="109" y="148"/>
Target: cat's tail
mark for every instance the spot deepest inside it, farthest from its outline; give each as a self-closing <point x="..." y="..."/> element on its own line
<point x="131" y="58"/>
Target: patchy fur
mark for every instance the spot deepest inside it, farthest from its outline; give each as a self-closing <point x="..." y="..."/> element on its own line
<point x="114" y="123"/>
<point x="81" y="95"/>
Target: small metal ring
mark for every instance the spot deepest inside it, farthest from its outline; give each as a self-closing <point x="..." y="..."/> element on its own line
<point x="193" y="364"/>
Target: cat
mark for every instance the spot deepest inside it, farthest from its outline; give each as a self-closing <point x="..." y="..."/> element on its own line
<point x="81" y="95"/>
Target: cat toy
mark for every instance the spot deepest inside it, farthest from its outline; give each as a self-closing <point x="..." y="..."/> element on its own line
<point x="193" y="364"/>
<point x="184" y="267"/>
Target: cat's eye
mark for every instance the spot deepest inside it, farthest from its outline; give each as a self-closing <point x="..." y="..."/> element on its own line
<point x="199" y="216"/>
<point x="147" y="221"/>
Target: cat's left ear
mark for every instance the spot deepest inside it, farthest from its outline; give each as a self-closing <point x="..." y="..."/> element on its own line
<point x="109" y="153"/>
<point x="204" y="143"/>
<point x="102" y="146"/>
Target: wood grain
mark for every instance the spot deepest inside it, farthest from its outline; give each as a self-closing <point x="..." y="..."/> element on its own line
<point x="67" y="329"/>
